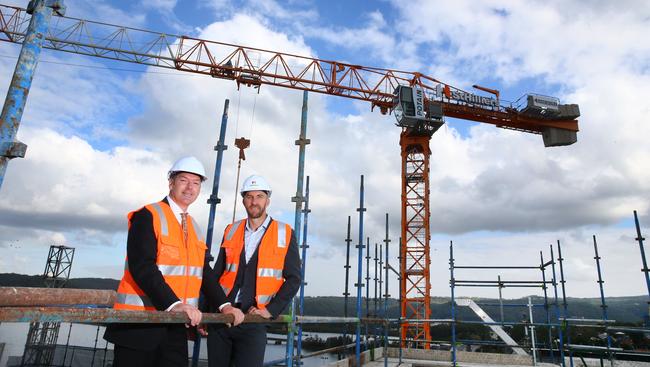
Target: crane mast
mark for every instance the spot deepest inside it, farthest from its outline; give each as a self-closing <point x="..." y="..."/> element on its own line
<point x="419" y="102"/>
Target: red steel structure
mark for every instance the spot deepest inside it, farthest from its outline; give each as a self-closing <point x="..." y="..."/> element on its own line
<point x="415" y="283"/>
<point x="255" y="67"/>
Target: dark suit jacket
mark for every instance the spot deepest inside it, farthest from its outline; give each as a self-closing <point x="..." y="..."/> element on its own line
<point x="247" y="277"/>
<point x="141" y="249"/>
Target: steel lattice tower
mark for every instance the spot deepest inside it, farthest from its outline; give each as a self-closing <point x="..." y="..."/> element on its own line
<point x="414" y="250"/>
<point x="42" y="336"/>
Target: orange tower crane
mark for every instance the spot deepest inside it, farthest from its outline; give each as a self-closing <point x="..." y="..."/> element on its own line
<point x="419" y="102"/>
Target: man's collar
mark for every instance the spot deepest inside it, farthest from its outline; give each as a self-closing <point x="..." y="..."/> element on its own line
<point x="175" y="208"/>
<point x="264" y="224"/>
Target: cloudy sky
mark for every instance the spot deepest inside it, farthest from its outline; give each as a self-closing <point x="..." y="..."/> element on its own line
<point x="102" y="134"/>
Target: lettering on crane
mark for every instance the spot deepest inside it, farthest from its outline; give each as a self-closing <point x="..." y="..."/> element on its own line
<point x="418" y="99"/>
<point x="462" y="96"/>
<point x="544" y="102"/>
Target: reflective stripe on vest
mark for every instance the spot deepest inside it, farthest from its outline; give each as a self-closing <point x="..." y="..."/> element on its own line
<point x="179" y="270"/>
<point x="264" y="299"/>
<point x="133" y="300"/>
<point x="175" y="270"/>
<point x="231" y="267"/>
<point x="163" y="221"/>
<point x="225" y="289"/>
<point x="233" y="229"/>
<point x="270" y="273"/>
<point x="197" y="230"/>
<point x="192" y="302"/>
<point x="282" y="235"/>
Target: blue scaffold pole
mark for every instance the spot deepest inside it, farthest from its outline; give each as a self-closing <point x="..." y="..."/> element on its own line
<point x="213" y="200"/>
<point x="639" y="238"/>
<point x="304" y="248"/>
<point x="452" y="284"/>
<point x="546" y="305"/>
<point x="21" y="82"/>
<point x="560" y="332"/>
<point x="603" y="305"/>
<point x="386" y="297"/>
<point x="359" y="284"/>
<point x="302" y="142"/>
<point x="560" y="260"/>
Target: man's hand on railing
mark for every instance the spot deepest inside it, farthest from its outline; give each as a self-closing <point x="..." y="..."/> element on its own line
<point x="260" y="312"/>
<point x="192" y="312"/>
<point x="235" y="312"/>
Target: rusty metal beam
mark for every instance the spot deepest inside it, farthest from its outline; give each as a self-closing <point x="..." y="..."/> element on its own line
<point x="109" y="316"/>
<point x="23" y="296"/>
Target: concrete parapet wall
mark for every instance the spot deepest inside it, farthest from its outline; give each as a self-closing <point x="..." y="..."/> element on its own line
<point x="367" y="356"/>
<point x="467" y="357"/>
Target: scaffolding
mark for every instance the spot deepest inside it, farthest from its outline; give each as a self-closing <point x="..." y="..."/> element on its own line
<point x="501" y="284"/>
<point x="42" y="336"/>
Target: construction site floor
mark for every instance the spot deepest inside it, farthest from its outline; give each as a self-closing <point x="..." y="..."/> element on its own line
<point x="392" y="362"/>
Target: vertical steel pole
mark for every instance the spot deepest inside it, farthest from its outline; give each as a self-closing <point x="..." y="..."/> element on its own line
<point x="367" y="285"/>
<point x="378" y="298"/>
<point x="564" y="304"/>
<point x="359" y="283"/>
<point x="346" y="293"/>
<point x="214" y="196"/>
<point x="347" y="267"/>
<point x="532" y="331"/>
<point x="92" y="361"/>
<point x="557" y="309"/>
<point x="213" y="200"/>
<point x="376" y="279"/>
<point x="500" y="298"/>
<point x="304" y="248"/>
<point x="645" y="270"/>
<point x="21" y="82"/>
<point x="367" y="277"/>
<point x="453" y="308"/>
<point x="542" y="267"/>
<point x="603" y="305"/>
<point x="302" y="142"/>
<point x="386" y="297"/>
<point x="399" y="278"/>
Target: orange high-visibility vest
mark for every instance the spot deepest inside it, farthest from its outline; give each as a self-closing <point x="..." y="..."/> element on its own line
<point x="271" y="253"/>
<point x="180" y="263"/>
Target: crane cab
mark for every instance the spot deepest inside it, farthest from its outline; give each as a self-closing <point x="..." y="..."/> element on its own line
<point x="413" y="111"/>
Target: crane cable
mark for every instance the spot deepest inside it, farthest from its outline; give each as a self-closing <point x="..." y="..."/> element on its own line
<point x="241" y="143"/>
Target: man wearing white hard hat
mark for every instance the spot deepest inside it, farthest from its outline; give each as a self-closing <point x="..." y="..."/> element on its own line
<point x="164" y="271"/>
<point x="259" y="273"/>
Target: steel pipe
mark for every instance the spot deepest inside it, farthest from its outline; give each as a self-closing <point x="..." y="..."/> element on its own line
<point x="24" y="296"/>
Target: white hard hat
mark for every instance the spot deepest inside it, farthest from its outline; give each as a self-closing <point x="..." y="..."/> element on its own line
<point x="255" y="183"/>
<point x="188" y="164"/>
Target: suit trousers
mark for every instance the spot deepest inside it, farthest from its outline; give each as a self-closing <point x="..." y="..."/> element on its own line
<point x="239" y="346"/>
<point x="171" y="352"/>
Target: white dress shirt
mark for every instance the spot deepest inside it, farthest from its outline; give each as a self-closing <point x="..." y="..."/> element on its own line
<point x="252" y="239"/>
